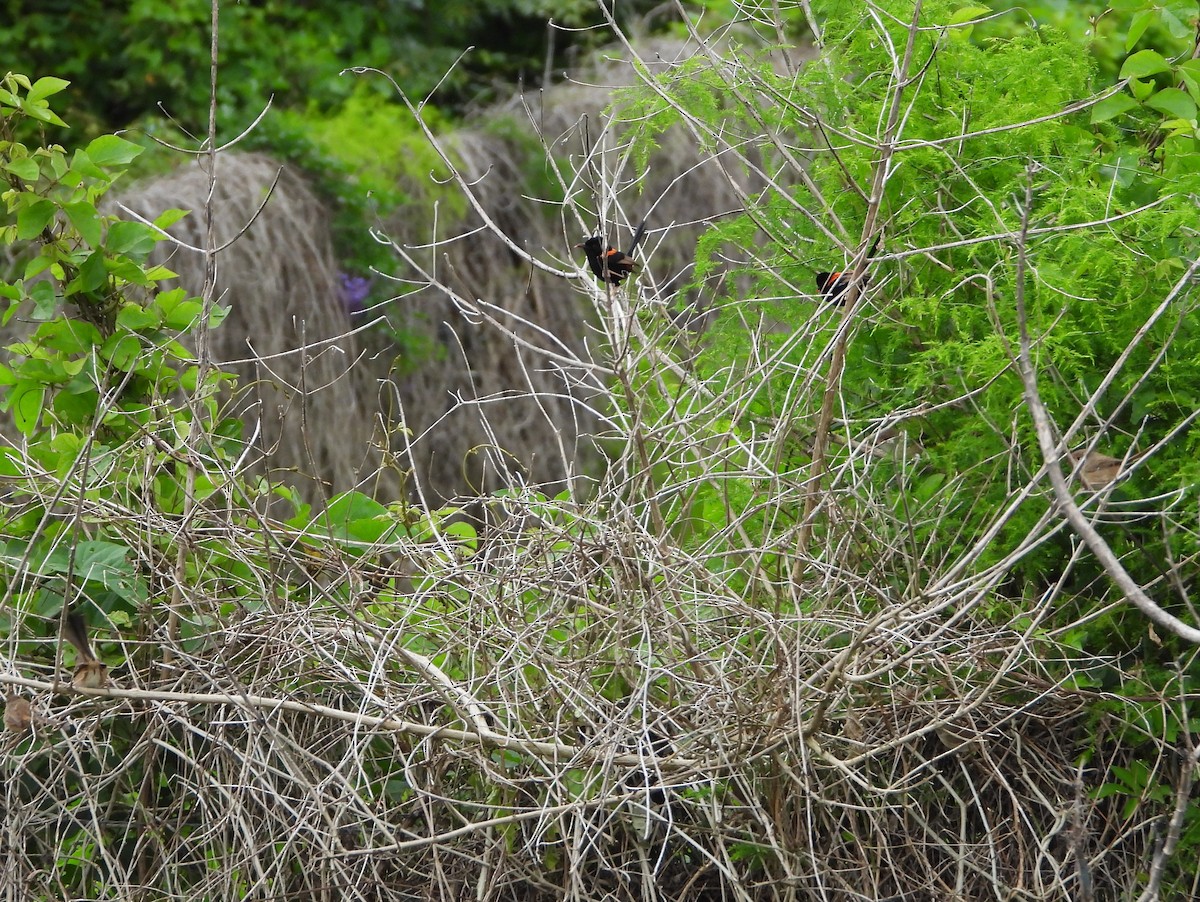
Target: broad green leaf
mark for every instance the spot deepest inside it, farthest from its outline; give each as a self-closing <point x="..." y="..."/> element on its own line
<point x="25" y="401"/>
<point x="25" y="168"/>
<point x="1141" y="21"/>
<point x="183" y="316"/>
<point x="46" y="87"/>
<point x="38" y="264"/>
<point x="1141" y="89"/>
<point x="1177" y="26"/>
<point x="168" y="218"/>
<point x="1189" y="74"/>
<point x="45" y="300"/>
<point x="1144" y="63"/>
<point x="74" y="367"/>
<point x="160" y="274"/>
<point x="75" y="407"/>
<point x="1179" y="127"/>
<point x="109" y="150"/>
<point x="136" y="318"/>
<point x="133" y="238"/>
<point x="357" y="516"/>
<point x="82" y="164"/>
<point x="1173" y="102"/>
<point x="1122" y="167"/>
<point x="69" y="337"/>
<point x="34" y="217"/>
<point x="43" y="114"/>
<point x="1112" y="106"/>
<point x="123" y="268"/>
<point x="86" y="221"/>
<point x="966" y="14"/>
<point x="92" y="274"/>
<point x="121" y="350"/>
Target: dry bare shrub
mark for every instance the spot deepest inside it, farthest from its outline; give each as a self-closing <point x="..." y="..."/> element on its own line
<point x="490" y="409"/>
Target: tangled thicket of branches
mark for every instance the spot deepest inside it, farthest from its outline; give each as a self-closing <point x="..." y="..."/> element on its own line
<point x="770" y="653"/>
<point x="497" y="407"/>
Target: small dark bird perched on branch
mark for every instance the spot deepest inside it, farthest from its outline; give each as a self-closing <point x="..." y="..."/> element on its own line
<point x="90" y="671"/>
<point x="832" y="285"/>
<point x="611" y="265"/>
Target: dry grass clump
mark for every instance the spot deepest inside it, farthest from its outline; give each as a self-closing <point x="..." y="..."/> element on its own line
<point x="288" y="336"/>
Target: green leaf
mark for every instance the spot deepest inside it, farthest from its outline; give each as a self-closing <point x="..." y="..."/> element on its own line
<point x="25" y="168"/>
<point x="168" y="218"/>
<point x="1141" y="89"/>
<point x="25" y="401"/>
<point x="75" y="408"/>
<point x="136" y="318"/>
<point x="121" y="350"/>
<point x="160" y="274"/>
<point x="1143" y="63"/>
<point x="1189" y="74"/>
<point x="68" y="337"/>
<point x="82" y="164"/>
<point x="39" y="264"/>
<point x="123" y="268"/>
<point x="1179" y="127"/>
<point x="133" y="238"/>
<point x="109" y="150"/>
<point x="183" y="316"/>
<point x="1122" y="168"/>
<point x="1177" y="27"/>
<point x="1141" y="21"/>
<point x="1112" y="106"/>
<point x="86" y="221"/>
<point x="34" y="217"/>
<point x="45" y="300"/>
<point x="45" y="87"/>
<point x="1173" y="102"/>
<point x="966" y="14"/>
<point x="461" y="529"/>
<point x="357" y="516"/>
<point x="43" y="114"/>
<point x="92" y="274"/>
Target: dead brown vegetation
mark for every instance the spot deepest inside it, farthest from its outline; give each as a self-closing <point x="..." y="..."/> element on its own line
<point x="304" y="395"/>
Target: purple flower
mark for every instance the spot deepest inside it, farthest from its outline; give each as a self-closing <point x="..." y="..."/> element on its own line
<point x="354" y="291"/>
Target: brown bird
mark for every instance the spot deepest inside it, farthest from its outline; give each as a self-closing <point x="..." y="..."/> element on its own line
<point x="18" y="717"/>
<point x="1099" y="471"/>
<point x="90" y="672"/>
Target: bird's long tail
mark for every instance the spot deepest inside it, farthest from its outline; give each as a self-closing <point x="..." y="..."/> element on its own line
<point x="75" y="632"/>
<point x="637" y="237"/>
<point x="874" y="244"/>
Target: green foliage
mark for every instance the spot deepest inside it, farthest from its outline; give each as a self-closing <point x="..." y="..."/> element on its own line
<point x="102" y="372"/>
<point x="947" y="324"/>
<point x="273" y="48"/>
<point x="1109" y="30"/>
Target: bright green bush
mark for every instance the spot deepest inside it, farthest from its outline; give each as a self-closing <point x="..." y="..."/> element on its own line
<point x="935" y="345"/>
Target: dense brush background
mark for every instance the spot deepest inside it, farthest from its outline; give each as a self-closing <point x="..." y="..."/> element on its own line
<point x="530" y="589"/>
